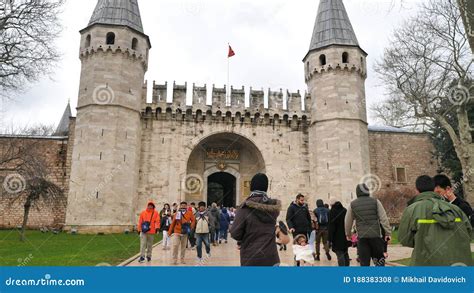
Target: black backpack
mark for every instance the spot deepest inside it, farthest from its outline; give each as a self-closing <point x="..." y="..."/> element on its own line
<point x="323" y="216"/>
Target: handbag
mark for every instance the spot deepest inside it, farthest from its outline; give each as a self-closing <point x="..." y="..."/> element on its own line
<point x="146" y="226"/>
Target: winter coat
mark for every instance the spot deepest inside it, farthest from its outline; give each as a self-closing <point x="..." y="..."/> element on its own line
<point x="298" y="218"/>
<point x="254" y="230"/>
<point x="214" y="219"/>
<point x="318" y="212"/>
<point x="438" y="231"/>
<point x="225" y="220"/>
<point x="165" y="223"/>
<point x="187" y="217"/>
<point x="202" y="223"/>
<point x="337" y="235"/>
<point x="151" y="216"/>
<point x="369" y="215"/>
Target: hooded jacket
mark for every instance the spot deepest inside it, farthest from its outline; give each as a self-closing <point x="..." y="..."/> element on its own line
<point x="439" y="232"/>
<point x="337" y="235"/>
<point x="152" y="216"/>
<point x="254" y="230"/>
<point x="320" y="210"/>
<point x="225" y="220"/>
<point x="214" y="218"/>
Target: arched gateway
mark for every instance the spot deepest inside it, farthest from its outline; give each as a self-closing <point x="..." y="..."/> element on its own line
<point x="220" y="168"/>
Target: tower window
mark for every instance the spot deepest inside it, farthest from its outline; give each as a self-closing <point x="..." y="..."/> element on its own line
<point x="345" y="57"/>
<point x="88" y="41"/>
<point x="307" y="68"/>
<point x="322" y="60"/>
<point x="134" y="44"/>
<point x="110" y="39"/>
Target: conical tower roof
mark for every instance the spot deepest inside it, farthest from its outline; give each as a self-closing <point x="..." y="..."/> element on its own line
<point x="63" y="127"/>
<point x="332" y="26"/>
<point x="118" y="12"/>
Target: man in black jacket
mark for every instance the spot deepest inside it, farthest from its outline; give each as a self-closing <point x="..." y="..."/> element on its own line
<point x="298" y="217"/>
<point x="445" y="189"/>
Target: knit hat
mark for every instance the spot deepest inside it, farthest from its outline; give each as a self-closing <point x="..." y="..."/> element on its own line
<point x="362" y="190"/>
<point x="259" y="183"/>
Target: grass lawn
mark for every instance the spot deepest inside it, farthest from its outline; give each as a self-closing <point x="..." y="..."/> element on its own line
<point x="406" y="261"/>
<point x="47" y="249"/>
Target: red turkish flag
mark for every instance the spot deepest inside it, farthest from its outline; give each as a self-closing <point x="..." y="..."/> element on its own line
<point x="231" y="52"/>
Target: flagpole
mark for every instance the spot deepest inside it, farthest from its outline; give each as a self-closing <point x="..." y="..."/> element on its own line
<point x="228" y="79"/>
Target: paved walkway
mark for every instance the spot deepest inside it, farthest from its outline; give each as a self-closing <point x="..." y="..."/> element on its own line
<point x="228" y="255"/>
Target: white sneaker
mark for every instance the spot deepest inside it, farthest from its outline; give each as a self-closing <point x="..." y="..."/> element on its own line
<point x="208" y="255"/>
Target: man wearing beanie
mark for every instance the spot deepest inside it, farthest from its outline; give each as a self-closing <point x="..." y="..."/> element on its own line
<point x="254" y="226"/>
<point x="370" y="216"/>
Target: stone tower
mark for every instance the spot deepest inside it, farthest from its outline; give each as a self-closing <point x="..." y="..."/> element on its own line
<point x="335" y="71"/>
<point x="105" y="161"/>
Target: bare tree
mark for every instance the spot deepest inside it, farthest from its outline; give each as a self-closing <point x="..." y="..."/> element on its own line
<point x="428" y="70"/>
<point x="28" y="174"/>
<point x="28" y="29"/>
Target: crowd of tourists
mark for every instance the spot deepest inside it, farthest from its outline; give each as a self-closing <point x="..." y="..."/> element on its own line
<point x="184" y="227"/>
<point x="436" y="224"/>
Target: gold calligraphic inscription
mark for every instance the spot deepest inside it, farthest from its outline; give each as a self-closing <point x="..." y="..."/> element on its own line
<point x="221" y="154"/>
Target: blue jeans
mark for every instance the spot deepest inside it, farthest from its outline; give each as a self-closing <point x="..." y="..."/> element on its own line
<point x="200" y="238"/>
<point x="223" y="234"/>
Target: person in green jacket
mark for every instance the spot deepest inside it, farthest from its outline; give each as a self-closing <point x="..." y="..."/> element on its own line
<point x="439" y="232"/>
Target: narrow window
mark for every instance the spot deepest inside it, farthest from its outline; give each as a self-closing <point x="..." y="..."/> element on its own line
<point x="401" y="175"/>
<point x="134" y="44"/>
<point x="100" y="157"/>
<point x="88" y="41"/>
<point x="345" y="57"/>
<point x="110" y="39"/>
<point x="322" y="60"/>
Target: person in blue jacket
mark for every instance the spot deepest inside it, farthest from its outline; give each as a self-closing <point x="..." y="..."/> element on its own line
<point x="224" y="225"/>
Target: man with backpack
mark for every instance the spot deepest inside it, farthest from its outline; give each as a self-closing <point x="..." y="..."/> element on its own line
<point x="180" y="228"/>
<point x="148" y="225"/>
<point x="322" y="225"/>
<point x="202" y="231"/>
<point x="439" y="232"/>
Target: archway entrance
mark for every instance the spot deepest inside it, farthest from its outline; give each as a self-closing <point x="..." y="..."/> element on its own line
<point x="223" y="164"/>
<point x="221" y="189"/>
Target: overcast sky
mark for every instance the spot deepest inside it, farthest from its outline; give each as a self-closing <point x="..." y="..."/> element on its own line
<point x="189" y="39"/>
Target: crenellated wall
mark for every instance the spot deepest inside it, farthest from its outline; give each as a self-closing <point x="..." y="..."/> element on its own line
<point x="283" y="106"/>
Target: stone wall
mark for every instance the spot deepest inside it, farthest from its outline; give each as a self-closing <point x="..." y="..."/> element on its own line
<point x="389" y="150"/>
<point x="57" y="155"/>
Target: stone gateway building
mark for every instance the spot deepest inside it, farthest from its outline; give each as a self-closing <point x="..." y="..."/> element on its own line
<point x="123" y="151"/>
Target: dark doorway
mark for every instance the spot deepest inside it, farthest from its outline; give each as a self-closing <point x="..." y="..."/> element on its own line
<point x="221" y="189"/>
